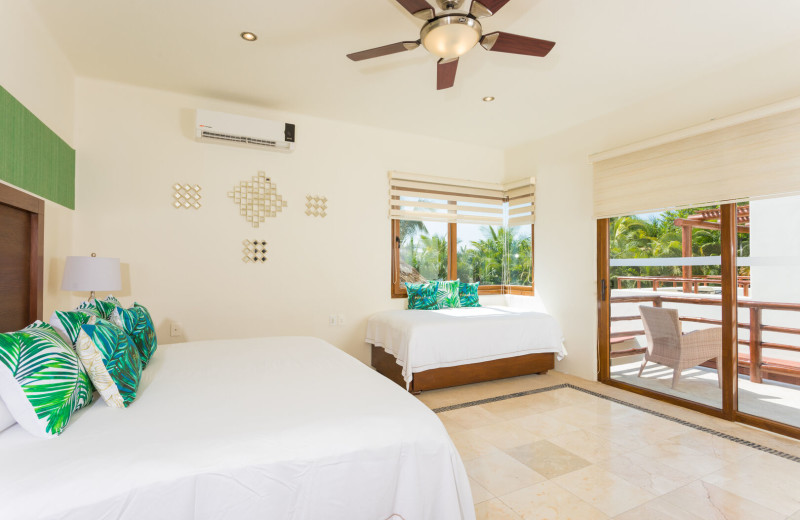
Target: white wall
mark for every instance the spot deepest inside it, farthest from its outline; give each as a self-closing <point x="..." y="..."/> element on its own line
<point x="36" y="72"/>
<point x="774" y="228"/>
<point x="774" y="232"/>
<point x="565" y="242"/>
<point x="185" y="265"/>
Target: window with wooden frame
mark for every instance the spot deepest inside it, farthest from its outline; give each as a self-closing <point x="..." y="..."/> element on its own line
<point x="448" y="229"/>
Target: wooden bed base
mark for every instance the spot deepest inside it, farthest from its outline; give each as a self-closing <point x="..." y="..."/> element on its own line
<point x="387" y="365"/>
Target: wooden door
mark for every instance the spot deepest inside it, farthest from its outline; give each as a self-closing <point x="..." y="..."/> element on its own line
<point x="21" y="265"/>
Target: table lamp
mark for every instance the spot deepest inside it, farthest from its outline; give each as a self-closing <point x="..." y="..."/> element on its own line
<point x="91" y="273"/>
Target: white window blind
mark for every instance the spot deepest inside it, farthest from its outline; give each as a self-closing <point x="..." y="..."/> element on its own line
<point x="521" y="199"/>
<point x="750" y="155"/>
<point x="439" y="199"/>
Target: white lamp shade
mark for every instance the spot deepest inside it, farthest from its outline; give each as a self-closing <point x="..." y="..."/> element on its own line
<point x="89" y="273"/>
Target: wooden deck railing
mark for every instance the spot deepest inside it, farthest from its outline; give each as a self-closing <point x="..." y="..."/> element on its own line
<point x="757" y="365"/>
<point x="694" y="282"/>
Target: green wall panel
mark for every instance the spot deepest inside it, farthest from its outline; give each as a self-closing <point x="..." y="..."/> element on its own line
<point x="32" y="156"/>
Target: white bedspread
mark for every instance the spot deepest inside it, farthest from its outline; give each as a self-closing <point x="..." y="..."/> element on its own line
<point x="271" y="428"/>
<point x="423" y="340"/>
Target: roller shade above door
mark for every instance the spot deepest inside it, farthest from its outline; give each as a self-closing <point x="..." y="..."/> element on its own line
<point x="751" y="155"/>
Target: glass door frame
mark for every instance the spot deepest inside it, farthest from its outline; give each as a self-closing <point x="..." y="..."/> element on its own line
<point x="730" y="350"/>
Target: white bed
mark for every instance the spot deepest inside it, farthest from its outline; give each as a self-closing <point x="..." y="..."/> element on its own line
<point x="270" y="428"/>
<point x="425" y="340"/>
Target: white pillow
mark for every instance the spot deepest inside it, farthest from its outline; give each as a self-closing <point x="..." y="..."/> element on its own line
<point x="6" y="419"/>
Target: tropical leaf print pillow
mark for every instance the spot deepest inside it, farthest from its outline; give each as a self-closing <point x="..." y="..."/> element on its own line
<point x="104" y="309"/>
<point x="68" y="323"/>
<point x="468" y="294"/>
<point x="111" y="299"/>
<point x="136" y="322"/>
<point x="447" y="295"/>
<point x="41" y="380"/>
<point x="147" y="334"/>
<point x="422" y="296"/>
<point x="112" y="361"/>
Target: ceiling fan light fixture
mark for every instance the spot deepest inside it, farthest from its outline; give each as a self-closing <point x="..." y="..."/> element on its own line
<point x="451" y="36"/>
<point x="453" y="33"/>
<point x="247" y="35"/>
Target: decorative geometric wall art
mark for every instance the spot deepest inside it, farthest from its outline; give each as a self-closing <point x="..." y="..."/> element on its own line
<point x="316" y="206"/>
<point x="254" y="251"/>
<point x="257" y="199"/>
<point x="186" y="196"/>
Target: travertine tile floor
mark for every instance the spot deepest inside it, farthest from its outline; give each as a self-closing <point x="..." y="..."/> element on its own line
<point x="566" y="454"/>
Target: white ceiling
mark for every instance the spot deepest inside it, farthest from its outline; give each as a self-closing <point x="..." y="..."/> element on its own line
<point x="609" y="53"/>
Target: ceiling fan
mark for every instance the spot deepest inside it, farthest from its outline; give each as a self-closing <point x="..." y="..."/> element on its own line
<point x="453" y="33"/>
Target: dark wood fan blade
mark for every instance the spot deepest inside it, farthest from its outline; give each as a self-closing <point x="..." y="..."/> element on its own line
<point x="484" y="8"/>
<point x="516" y="44"/>
<point x="394" y="48"/>
<point x="419" y="8"/>
<point x="446" y="73"/>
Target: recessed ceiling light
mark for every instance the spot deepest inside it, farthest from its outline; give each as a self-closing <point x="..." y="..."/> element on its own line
<point x="488" y="98"/>
<point x="249" y="36"/>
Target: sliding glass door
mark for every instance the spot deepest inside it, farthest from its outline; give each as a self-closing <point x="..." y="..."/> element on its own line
<point x="665" y="304"/>
<point x="701" y="307"/>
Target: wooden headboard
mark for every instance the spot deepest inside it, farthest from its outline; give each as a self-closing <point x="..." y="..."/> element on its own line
<point x="21" y="258"/>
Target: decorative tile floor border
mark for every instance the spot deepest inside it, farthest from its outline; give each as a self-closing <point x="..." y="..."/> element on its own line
<point x="705" y="429"/>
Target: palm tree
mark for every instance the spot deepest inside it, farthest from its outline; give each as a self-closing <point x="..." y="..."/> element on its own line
<point x="467" y="264"/>
<point x="489" y="257"/>
<point x="520" y="261"/>
<point x="502" y="257"/>
<point x="411" y="253"/>
<point x="434" y="255"/>
<point x="411" y="228"/>
<point x="634" y="237"/>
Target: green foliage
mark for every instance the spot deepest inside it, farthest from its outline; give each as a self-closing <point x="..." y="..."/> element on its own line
<point x="502" y="256"/>
<point x="409" y="228"/>
<point x="659" y="237"/>
<point x="434" y="255"/>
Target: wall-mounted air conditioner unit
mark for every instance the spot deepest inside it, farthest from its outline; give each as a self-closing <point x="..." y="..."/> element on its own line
<point x="218" y="127"/>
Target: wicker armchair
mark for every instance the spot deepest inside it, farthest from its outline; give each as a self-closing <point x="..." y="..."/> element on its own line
<point x="666" y="344"/>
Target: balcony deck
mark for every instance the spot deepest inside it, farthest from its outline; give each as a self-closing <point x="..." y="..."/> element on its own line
<point x="769" y="371"/>
<point x="775" y="400"/>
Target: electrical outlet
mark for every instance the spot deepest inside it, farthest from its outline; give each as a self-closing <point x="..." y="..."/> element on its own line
<point x="332" y="320"/>
<point x="175" y="329"/>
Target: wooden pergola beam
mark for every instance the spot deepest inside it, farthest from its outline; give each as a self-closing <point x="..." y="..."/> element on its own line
<point x="686" y="251"/>
<point x="742" y="213"/>
<point x="686" y="223"/>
